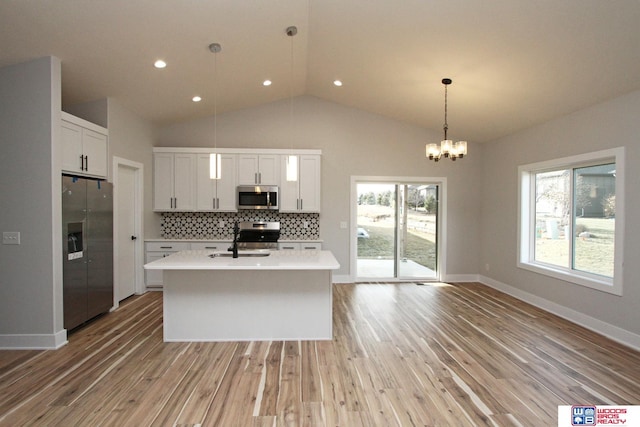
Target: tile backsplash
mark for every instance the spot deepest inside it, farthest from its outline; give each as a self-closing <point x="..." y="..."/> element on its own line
<point x="206" y="225"/>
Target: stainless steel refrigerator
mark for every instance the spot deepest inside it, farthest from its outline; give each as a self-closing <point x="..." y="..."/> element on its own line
<point x="87" y="233"/>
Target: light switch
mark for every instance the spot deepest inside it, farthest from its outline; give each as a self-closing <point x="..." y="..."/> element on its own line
<point x="10" y="237"/>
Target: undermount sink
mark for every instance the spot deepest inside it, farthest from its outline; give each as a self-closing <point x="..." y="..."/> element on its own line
<point x="249" y="254"/>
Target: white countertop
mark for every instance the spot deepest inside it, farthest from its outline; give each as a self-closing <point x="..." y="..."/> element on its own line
<point x="276" y="260"/>
<point x="283" y="240"/>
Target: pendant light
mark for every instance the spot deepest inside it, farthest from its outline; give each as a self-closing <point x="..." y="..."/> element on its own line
<point x="215" y="159"/>
<point x="292" y="160"/>
<point x="447" y="148"/>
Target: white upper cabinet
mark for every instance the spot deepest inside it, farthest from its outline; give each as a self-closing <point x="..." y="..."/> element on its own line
<point x="302" y="195"/>
<point x="258" y="169"/>
<point x="216" y="194"/>
<point x="182" y="183"/>
<point x="84" y="147"/>
<point x="174" y="182"/>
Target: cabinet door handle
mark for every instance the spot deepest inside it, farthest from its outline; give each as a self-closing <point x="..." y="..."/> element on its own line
<point x="259" y="177"/>
<point x="81" y="162"/>
<point x="217" y="203"/>
<point x="301" y="201"/>
<point x="86" y="163"/>
<point x="166" y="247"/>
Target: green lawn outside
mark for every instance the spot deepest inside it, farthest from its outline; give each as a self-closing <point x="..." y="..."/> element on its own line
<point x="378" y="221"/>
<point x="593" y="253"/>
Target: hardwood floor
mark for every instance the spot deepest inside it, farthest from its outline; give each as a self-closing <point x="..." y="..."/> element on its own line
<point x="402" y="355"/>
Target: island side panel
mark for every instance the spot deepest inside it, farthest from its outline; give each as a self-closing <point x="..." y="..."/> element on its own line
<point x="247" y="305"/>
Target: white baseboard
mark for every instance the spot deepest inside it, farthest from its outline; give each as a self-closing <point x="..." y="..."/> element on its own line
<point x="460" y="278"/>
<point x="341" y="278"/>
<point x="615" y="333"/>
<point x="345" y="278"/>
<point x="33" y="342"/>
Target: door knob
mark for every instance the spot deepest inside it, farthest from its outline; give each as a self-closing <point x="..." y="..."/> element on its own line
<point x="134" y="238"/>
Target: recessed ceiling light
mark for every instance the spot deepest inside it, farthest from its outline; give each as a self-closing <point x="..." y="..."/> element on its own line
<point x="337" y="83"/>
<point x="196" y="99"/>
<point x="159" y="64"/>
<point x="266" y="83"/>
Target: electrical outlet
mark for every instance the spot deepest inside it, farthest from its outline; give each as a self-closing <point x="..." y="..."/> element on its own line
<point x="305" y="224"/>
<point x="11" y="238"/>
<point x="343" y="225"/>
<point x="221" y="223"/>
<point x="487" y="267"/>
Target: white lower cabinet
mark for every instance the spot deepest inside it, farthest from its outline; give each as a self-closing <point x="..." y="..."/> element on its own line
<point x="299" y="246"/>
<point x="212" y="246"/>
<point x="157" y="250"/>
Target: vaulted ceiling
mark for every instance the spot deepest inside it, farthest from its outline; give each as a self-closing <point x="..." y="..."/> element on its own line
<point x="514" y="63"/>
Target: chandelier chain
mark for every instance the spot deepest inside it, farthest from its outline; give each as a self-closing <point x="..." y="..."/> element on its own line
<point x="446" y="125"/>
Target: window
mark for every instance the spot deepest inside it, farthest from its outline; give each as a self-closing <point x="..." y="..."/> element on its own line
<point x="571" y="219"/>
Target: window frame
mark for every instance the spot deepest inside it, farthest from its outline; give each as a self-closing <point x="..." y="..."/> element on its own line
<point x="527" y="217"/>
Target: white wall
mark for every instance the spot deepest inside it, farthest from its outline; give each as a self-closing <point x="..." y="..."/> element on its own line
<point x="131" y="137"/>
<point x="353" y="142"/>
<point x="607" y="125"/>
<point x="96" y="112"/>
<point x="31" y="273"/>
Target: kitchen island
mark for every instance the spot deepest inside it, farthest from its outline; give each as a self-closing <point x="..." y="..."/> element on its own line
<point x="259" y="296"/>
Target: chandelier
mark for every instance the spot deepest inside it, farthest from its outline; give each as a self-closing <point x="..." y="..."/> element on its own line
<point x="447" y="148"/>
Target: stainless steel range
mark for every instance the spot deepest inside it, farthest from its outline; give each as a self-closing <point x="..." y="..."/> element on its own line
<point x="258" y="235"/>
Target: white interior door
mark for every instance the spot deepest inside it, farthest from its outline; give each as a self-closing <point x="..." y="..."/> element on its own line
<point x="128" y="182"/>
<point x="126" y="232"/>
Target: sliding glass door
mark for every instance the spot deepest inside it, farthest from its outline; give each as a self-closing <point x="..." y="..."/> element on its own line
<point x="397" y="230"/>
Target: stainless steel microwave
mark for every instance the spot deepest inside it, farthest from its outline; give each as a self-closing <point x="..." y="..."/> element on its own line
<point x="258" y="197"/>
